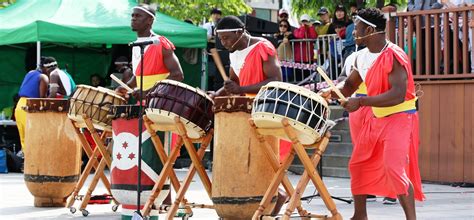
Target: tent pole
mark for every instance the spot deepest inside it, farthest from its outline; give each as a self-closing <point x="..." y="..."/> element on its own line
<point x="38" y="53"/>
<point x="204" y="62"/>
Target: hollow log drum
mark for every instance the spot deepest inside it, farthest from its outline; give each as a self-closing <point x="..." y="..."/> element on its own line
<point x="241" y="173"/>
<point x="53" y="155"/>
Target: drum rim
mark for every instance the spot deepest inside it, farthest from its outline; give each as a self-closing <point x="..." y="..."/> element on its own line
<point x="185" y="121"/>
<point x="185" y="86"/>
<point x="256" y="115"/>
<point x="101" y="89"/>
<point x="294" y="88"/>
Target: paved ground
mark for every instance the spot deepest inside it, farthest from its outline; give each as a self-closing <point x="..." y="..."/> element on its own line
<point x="443" y="202"/>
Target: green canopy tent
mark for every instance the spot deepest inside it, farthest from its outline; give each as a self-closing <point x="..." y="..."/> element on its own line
<point x="79" y="34"/>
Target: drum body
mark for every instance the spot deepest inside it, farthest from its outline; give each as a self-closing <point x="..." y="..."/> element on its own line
<point x="306" y="111"/>
<point x="123" y="175"/>
<point x="53" y="155"/>
<point x="168" y="99"/>
<point x="241" y="173"/>
<point x="95" y="103"/>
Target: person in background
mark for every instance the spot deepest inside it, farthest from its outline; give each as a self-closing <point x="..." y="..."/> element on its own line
<point x="304" y="51"/>
<point x="339" y="22"/>
<point x="61" y="84"/>
<point x="283" y="14"/>
<point x="123" y="71"/>
<point x="34" y="85"/>
<point x="352" y="8"/>
<point x="97" y="80"/>
<point x="284" y="36"/>
<point x="325" y="21"/>
<point x="285" y="50"/>
<point x="349" y="43"/>
<point x="214" y="80"/>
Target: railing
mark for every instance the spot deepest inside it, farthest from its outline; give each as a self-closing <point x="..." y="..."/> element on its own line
<point x="441" y="42"/>
<point x="300" y="57"/>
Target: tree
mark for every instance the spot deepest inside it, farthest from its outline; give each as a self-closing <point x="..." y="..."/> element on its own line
<point x="197" y="10"/>
<point x="6" y="3"/>
<point x="311" y="7"/>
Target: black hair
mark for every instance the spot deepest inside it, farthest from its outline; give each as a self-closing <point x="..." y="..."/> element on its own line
<point x="353" y="4"/>
<point x="148" y="8"/>
<point x="216" y="11"/>
<point x="374" y="16"/>
<point x="47" y="60"/>
<point x="284" y="21"/>
<point x="230" y="22"/>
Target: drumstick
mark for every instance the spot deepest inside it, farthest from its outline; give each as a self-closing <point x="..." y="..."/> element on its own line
<point x="121" y="83"/>
<point x="218" y="62"/>
<point x="331" y="84"/>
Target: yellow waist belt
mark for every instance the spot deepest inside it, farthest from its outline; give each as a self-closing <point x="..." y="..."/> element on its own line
<point x="362" y="89"/>
<point x="150" y="80"/>
<point x="380" y="112"/>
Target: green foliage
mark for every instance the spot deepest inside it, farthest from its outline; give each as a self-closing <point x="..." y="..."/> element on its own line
<point x="197" y="10"/>
<point x="311" y="7"/>
<point x="6" y="3"/>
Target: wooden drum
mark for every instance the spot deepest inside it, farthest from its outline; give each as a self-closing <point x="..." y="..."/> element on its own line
<point x="169" y="98"/>
<point x="53" y="155"/>
<point x="95" y="103"/>
<point x="123" y="175"/>
<point x="241" y="173"/>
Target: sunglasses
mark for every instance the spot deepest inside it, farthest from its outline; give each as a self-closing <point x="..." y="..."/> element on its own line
<point x="284" y="26"/>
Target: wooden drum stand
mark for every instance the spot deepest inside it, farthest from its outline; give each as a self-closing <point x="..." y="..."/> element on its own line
<point x="98" y="159"/>
<point x="280" y="177"/>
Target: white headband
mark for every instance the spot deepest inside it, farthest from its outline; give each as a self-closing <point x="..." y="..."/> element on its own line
<point x="50" y="64"/>
<point x="229" y="30"/>
<point x="146" y="11"/>
<point x="365" y="21"/>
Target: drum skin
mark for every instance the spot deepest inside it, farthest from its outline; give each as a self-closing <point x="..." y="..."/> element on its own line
<point x="95" y="103"/>
<point x="123" y="175"/>
<point x="53" y="156"/>
<point x="241" y="173"/>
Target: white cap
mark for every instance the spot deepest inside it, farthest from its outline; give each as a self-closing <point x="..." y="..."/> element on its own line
<point x="283" y="11"/>
<point x="305" y="17"/>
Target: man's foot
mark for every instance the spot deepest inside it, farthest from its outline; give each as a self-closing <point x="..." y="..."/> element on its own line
<point x="389" y="201"/>
<point x="371" y="198"/>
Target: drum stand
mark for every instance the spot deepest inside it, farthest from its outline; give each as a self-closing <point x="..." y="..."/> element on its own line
<point x="168" y="162"/>
<point x="310" y="173"/>
<point x="94" y="162"/>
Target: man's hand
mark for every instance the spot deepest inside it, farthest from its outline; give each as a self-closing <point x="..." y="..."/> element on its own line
<point x="212" y="94"/>
<point x="232" y="87"/>
<point x="352" y="104"/>
<point x="122" y="92"/>
<point x="325" y="93"/>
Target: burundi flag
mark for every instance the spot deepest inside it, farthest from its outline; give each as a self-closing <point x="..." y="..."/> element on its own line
<point x="124" y="171"/>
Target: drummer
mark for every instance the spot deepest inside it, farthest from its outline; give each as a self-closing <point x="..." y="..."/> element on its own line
<point x="253" y="64"/>
<point x="160" y="62"/>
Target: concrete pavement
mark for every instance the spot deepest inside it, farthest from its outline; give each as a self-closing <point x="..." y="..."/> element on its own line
<point x="443" y="202"/>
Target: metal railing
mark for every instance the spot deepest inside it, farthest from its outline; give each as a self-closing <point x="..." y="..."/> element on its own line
<point x="300" y="57"/>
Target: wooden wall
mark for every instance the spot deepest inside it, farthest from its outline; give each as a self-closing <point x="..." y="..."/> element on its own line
<point x="446" y="131"/>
